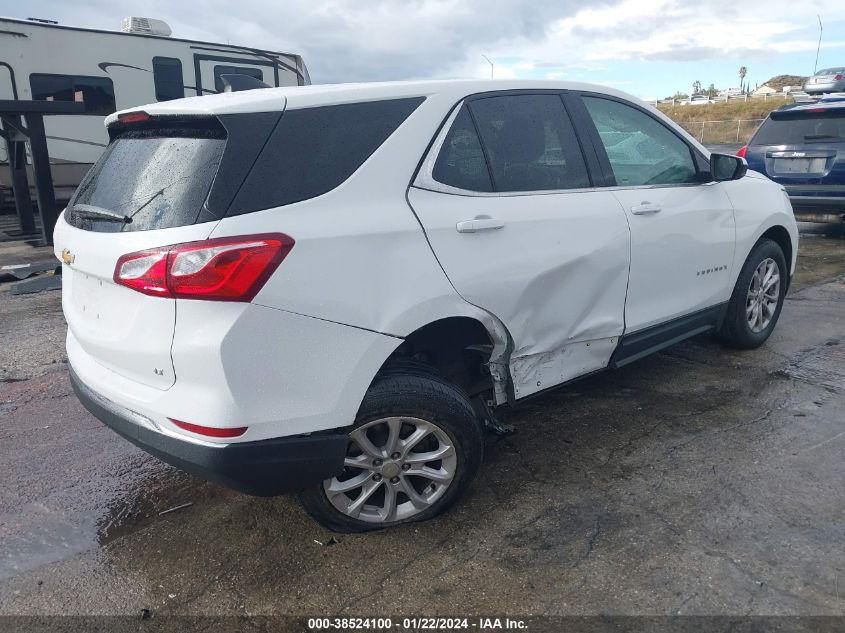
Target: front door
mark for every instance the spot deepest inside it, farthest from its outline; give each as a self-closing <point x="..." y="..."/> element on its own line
<point x="506" y="202"/>
<point x="682" y="228"/>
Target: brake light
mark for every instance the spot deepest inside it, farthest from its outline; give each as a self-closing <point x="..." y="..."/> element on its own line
<point x="210" y="431"/>
<point x="133" y="117"/>
<point x="837" y="76"/>
<point x="742" y="151"/>
<point x="220" y="269"/>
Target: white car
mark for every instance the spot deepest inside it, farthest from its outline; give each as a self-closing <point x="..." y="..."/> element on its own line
<point x="331" y="289"/>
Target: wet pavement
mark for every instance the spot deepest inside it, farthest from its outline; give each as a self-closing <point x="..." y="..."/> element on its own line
<point x="698" y="481"/>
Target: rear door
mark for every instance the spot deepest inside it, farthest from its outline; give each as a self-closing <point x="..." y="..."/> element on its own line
<point x="157" y="178"/>
<point x="505" y="199"/>
<point x="682" y="228"/>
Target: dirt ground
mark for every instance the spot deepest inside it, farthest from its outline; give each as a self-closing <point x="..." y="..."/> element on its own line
<point x="698" y="481"/>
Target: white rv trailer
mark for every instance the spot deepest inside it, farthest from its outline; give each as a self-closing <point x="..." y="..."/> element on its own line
<point x="113" y="70"/>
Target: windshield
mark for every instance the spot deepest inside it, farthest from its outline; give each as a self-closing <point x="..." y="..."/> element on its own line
<point x="149" y="179"/>
<point x="790" y="128"/>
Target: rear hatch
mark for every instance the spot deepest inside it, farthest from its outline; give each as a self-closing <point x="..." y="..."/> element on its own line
<point x="803" y="149"/>
<point x="149" y="189"/>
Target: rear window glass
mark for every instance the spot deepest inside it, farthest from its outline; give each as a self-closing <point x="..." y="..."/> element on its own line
<point x="794" y="129"/>
<point x="831" y="71"/>
<point x="155" y="178"/>
<point x="313" y="150"/>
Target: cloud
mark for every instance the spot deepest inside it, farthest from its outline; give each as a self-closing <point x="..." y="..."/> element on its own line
<point x="344" y="40"/>
<point x="365" y="40"/>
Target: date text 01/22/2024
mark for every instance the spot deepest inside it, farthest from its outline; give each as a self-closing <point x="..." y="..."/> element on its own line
<point x="415" y="624"/>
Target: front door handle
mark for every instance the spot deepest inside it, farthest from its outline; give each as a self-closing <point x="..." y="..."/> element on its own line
<point x="479" y="223"/>
<point x="645" y="208"/>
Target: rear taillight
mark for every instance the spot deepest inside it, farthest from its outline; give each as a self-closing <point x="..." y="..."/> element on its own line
<point x="837" y="76"/>
<point x="742" y="151"/>
<point x="220" y="269"/>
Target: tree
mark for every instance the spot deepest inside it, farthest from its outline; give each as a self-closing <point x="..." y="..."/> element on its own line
<point x="696" y="87"/>
<point x="711" y="91"/>
<point x="743" y="71"/>
<point x="678" y="96"/>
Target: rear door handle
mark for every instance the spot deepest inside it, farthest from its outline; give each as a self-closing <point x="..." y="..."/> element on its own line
<point x="479" y="223"/>
<point x="645" y="208"/>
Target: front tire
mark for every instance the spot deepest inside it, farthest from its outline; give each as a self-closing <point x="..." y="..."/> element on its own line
<point x="757" y="299"/>
<point x="415" y="447"/>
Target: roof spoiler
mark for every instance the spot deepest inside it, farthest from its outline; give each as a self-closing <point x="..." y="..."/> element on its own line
<point x="236" y="83"/>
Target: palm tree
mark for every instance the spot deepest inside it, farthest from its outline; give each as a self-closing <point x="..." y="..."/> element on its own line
<point x="696" y="87"/>
<point x="742" y="72"/>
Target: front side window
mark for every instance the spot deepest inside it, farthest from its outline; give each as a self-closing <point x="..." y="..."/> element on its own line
<point x="640" y="149"/>
<point x="167" y="76"/>
<point x="234" y="70"/>
<point x="530" y="143"/>
<point x="96" y="93"/>
<point x="460" y="162"/>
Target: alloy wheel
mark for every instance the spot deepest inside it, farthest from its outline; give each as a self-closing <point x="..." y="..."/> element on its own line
<point x="395" y="468"/>
<point x="763" y="295"/>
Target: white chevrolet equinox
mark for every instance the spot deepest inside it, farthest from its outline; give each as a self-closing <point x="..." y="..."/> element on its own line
<point x="330" y="289"/>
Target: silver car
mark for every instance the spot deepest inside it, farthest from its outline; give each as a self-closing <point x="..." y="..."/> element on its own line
<point x="827" y="80"/>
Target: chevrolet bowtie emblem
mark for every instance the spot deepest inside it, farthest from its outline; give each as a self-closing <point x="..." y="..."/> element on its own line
<point x="68" y="257"/>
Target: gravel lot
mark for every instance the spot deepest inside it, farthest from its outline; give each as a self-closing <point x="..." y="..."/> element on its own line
<point x="698" y="481"/>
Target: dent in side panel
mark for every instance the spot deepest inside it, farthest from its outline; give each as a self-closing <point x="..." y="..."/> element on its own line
<point x="534" y="372"/>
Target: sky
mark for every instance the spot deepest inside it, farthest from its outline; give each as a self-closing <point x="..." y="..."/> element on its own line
<point x="649" y="48"/>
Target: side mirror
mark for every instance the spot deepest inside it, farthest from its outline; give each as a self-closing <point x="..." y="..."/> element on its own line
<point x="727" y="167"/>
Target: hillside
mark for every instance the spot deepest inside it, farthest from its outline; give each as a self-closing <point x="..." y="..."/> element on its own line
<point x="723" y="111"/>
<point x="781" y="81"/>
<point x="725" y="122"/>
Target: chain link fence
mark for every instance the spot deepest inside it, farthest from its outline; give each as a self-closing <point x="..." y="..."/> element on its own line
<point x="722" y="132"/>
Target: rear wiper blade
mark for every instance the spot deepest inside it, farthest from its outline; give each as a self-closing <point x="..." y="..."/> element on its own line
<point x="816" y="137"/>
<point x="99" y="213"/>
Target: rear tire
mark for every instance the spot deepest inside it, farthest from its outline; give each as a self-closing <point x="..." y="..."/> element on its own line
<point x="410" y="413"/>
<point x="757" y="299"/>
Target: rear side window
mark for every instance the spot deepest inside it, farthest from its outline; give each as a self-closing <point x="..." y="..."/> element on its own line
<point x="313" y="150"/>
<point x="460" y="162"/>
<point x="167" y="75"/>
<point x="234" y="70"/>
<point x="640" y="149"/>
<point x="96" y="93"/>
<point x="790" y="128"/>
<point x="530" y="143"/>
<point x="157" y="178"/>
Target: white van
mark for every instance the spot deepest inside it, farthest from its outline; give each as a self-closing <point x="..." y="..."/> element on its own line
<point x="114" y="70"/>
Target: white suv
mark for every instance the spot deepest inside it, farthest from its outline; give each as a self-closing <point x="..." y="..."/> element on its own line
<point x="330" y="288"/>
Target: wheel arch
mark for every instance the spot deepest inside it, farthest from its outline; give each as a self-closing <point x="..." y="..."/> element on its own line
<point x="780" y="236"/>
<point x="470" y="349"/>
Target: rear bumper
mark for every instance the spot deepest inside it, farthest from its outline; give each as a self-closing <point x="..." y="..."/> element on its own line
<point x="829" y="209"/>
<point x="262" y="468"/>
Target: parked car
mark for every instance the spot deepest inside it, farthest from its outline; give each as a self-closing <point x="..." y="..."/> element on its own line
<point x="697" y="100"/>
<point x="827" y="80"/>
<point x="802" y="147"/>
<point x="332" y="289"/>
